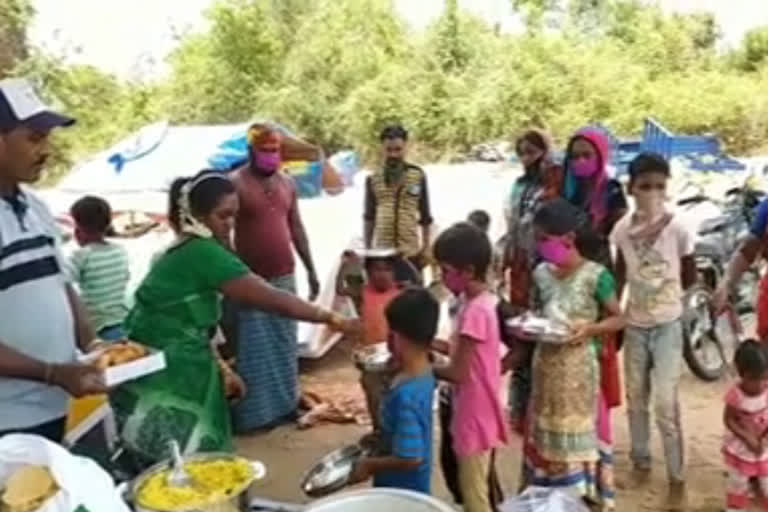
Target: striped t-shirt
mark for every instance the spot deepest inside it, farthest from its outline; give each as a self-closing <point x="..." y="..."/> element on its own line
<point x="406" y="432"/>
<point x="35" y="315"/>
<point x="101" y="272"/>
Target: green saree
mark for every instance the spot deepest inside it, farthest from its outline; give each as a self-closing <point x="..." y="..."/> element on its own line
<point x="177" y="305"/>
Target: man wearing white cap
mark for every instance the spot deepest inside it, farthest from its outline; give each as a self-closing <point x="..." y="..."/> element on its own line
<point x="42" y="318"/>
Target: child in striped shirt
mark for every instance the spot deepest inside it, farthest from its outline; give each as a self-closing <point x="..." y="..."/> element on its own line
<point x="99" y="267"/>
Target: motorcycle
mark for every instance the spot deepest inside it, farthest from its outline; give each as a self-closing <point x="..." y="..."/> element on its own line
<point x="706" y="351"/>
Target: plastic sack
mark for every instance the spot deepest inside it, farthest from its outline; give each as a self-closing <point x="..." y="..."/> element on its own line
<point x="543" y="499"/>
<point x="84" y="485"/>
<point x="347" y="164"/>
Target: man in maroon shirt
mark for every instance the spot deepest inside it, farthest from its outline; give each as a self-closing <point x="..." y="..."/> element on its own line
<point x="268" y="228"/>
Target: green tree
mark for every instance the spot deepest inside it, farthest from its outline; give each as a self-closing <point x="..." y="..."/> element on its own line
<point x="15" y="16"/>
<point x="105" y="108"/>
<point x="337" y="70"/>
<point x="534" y="12"/>
<point x="341" y="45"/>
<point x="754" y="49"/>
<point x="217" y="75"/>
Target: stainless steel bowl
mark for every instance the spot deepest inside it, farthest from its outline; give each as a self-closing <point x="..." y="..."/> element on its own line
<point x="234" y="502"/>
<point x="379" y="500"/>
<point x="332" y="472"/>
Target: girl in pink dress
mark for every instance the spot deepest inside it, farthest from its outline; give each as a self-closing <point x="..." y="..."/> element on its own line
<point x="746" y="422"/>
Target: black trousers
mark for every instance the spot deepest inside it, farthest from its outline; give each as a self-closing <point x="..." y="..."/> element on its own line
<point x="52" y="430"/>
<point x="449" y="463"/>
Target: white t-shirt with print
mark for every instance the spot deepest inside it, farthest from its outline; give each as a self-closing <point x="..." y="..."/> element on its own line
<point x="654" y="285"/>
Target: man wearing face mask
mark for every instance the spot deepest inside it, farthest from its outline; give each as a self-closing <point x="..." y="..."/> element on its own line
<point x="267" y="229"/>
<point x="397" y="214"/>
<point x="655" y="260"/>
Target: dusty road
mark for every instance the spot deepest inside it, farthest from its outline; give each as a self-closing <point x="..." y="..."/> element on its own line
<point x="288" y="452"/>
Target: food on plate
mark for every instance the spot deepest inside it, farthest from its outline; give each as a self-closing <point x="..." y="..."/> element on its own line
<point x="213" y="481"/>
<point x="120" y="353"/>
<point x="530" y="326"/>
<point x="27" y="489"/>
<point x="373" y="357"/>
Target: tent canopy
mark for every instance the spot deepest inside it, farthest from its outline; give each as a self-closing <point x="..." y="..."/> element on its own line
<point x="136" y="173"/>
<point x="181" y="151"/>
<point x="152" y="158"/>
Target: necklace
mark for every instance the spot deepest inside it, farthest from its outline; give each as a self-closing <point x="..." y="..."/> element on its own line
<point x="270" y="190"/>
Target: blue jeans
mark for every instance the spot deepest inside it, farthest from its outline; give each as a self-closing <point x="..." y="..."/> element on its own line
<point x="652" y="364"/>
<point x="112" y="333"/>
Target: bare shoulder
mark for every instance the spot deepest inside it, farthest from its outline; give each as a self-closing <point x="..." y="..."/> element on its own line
<point x="285" y="182"/>
<point x="236" y="175"/>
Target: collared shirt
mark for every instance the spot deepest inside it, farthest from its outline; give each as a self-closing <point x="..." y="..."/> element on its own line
<point x="398" y="210"/>
<point x="37" y="318"/>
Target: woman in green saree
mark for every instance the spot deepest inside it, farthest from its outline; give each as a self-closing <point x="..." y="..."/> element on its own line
<point x="176" y="307"/>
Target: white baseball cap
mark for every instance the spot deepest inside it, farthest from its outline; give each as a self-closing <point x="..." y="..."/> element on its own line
<point x="20" y="104"/>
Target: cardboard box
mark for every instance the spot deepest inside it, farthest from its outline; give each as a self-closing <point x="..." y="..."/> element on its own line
<point x="153" y="362"/>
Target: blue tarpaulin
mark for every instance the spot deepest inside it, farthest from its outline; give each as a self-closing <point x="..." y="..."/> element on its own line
<point x="307" y="174"/>
<point x="153" y="157"/>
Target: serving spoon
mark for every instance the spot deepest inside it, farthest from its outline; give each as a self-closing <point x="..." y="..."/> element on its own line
<point x="178" y="477"/>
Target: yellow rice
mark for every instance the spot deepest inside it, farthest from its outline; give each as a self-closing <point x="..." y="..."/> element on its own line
<point x="213" y="481"/>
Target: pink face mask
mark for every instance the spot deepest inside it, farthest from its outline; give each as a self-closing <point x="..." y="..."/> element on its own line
<point x="268" y="162"/>
<point x="455" y="281"/>
<point x="554" y="250"/>
<point x="584" y="167"/>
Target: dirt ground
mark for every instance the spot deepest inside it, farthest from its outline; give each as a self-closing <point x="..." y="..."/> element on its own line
<point x="288" y="452"/>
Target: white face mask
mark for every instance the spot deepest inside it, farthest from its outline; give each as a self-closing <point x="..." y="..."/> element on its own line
<point x="650" y="203"/>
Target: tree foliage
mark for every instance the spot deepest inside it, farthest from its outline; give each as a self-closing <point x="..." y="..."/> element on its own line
<point x="14" y="19"/>
<point x="754" y="52"/>
<point x="105" y="108"/>
<point x="337" y="70"/>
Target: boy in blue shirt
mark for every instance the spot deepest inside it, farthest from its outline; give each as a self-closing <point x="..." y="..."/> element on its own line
<point x="404" y="460"/>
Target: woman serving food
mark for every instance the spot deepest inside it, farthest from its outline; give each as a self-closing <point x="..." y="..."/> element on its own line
<point x="176" y="306"/>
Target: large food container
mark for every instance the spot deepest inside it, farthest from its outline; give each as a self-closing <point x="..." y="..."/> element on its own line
<point x="235" y="502"/>
<point x="379" y="500"/>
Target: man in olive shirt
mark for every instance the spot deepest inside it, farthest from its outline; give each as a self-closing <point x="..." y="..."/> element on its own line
<point x="397" y="214"/>
<point x="42" y="318"/>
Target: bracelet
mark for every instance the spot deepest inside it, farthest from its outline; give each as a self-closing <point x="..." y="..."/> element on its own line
<point x="224" y="366"/>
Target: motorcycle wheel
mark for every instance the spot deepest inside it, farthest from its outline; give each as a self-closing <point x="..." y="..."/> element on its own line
<point x="702" y="348"/>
